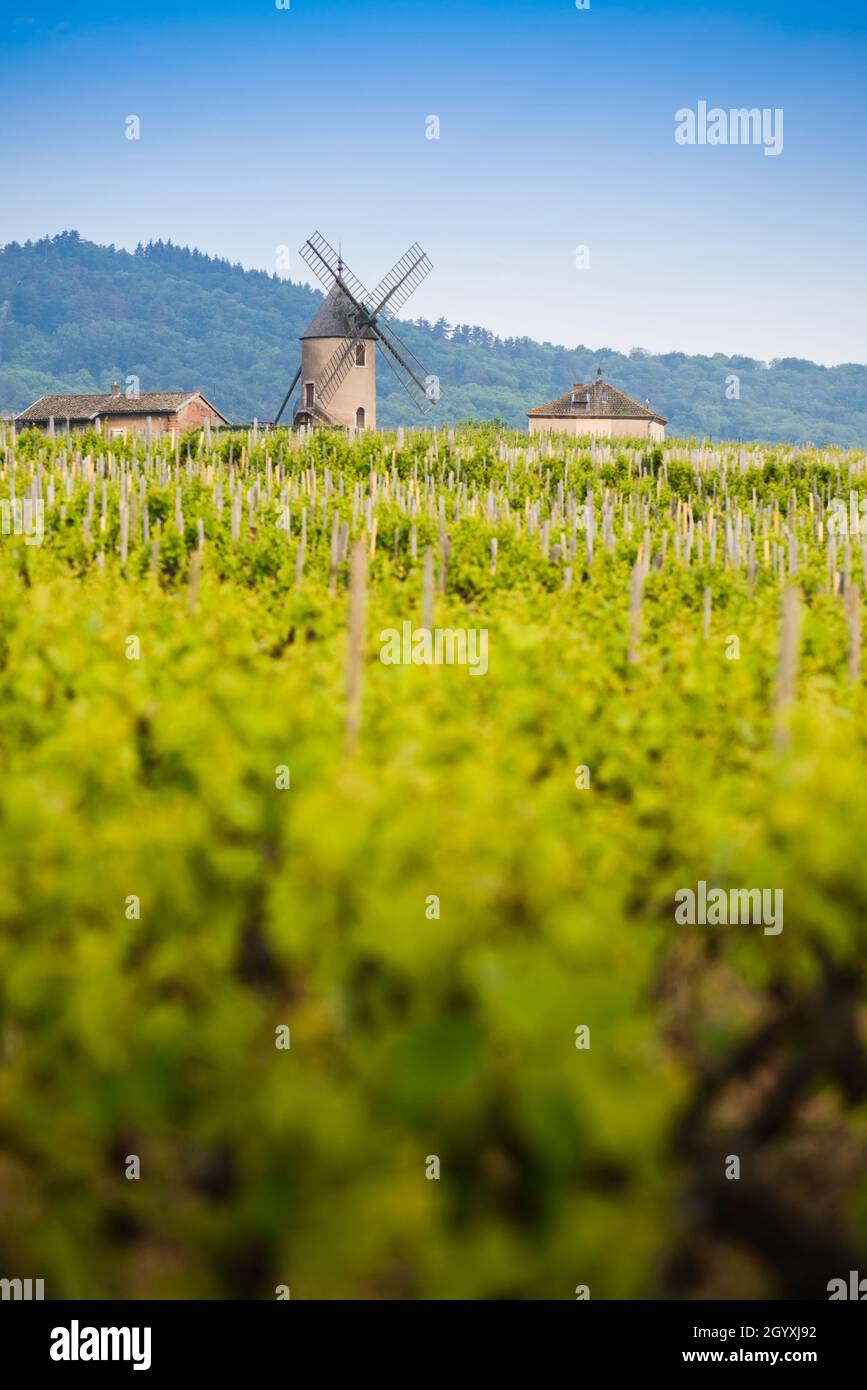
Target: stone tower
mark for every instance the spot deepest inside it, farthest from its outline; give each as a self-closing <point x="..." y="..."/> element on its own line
<point x="353" y="402"/>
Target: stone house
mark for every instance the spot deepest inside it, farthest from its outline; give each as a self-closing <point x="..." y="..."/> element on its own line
<point x="114" y="413"/>
<point x="598" y="409"/>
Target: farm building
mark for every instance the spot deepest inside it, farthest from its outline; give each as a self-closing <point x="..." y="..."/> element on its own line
<point x="597" y="408"/>
<point x="118" y="414"/>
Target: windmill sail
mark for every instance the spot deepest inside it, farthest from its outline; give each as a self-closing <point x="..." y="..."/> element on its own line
<point x="329" y="269"/>
<point x="402" y="280"/>
<point x="337" y="367"/>
<point x="406" y="367"/>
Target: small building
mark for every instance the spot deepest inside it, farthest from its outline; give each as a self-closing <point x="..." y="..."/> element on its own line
<point x="157" y="412"/>
<point x="347" y="384"/>
<point x="598" y="409"/>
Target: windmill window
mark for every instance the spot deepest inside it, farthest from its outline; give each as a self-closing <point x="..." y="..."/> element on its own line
<point x="360" y="355"/>
<point x="359" y="417"/>
<point x="309" y="388"/>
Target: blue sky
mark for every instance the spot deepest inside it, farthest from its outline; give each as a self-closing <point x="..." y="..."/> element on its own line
<point x="556" y="131"/>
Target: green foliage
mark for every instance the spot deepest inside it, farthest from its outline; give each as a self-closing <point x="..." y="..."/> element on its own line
<point x="155" y="776"/>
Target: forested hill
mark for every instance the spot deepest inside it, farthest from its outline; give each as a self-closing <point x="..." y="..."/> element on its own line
<point x="75" y="316"/>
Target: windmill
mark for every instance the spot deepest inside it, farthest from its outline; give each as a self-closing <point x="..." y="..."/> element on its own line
<point x="338" y="349"/>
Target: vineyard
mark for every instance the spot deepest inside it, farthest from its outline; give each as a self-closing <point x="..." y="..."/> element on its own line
<point x="363" y="979"/>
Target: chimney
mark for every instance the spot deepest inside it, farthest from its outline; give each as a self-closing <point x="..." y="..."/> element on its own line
<point x="115" y="388"/>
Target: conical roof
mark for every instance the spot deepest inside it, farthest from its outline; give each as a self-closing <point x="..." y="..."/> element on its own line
<point x="334" y="319"/>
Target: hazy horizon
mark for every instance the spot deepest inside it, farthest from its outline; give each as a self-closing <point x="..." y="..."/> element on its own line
<point x="568" y="347"/>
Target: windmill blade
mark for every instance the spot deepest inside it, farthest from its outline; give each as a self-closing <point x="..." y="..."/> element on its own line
<point x="402" y="280"/>
<point x="405" y="365"/>
<point x="327" y="265"/>
<point x="337" y="367"/>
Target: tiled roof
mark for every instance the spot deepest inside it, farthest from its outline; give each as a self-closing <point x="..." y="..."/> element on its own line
<point x="334" y="319"/>
<point x="597" y="400"/>
<point x="86" y="407"/>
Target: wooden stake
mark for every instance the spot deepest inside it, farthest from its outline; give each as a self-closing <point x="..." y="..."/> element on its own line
<point x="444" y="568"/>
<point x="635" y="602"/>
<point x="355" y="650"/>
<point x="333" y="559"/>
<point x="853" y="623"/>
<point x="195" y="572"/>
<point x="790" y="640"/>
<point x="427" y="603"/>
